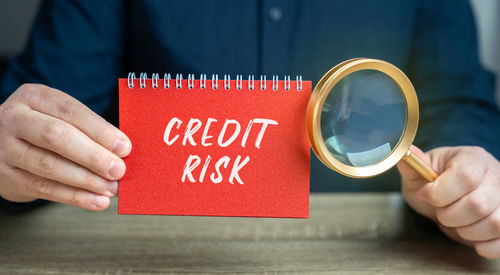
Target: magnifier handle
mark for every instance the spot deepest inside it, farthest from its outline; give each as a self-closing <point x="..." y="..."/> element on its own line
<point x="424" y="169"/>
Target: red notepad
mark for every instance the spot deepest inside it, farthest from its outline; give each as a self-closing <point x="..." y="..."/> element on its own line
<point x="215" y="148"/>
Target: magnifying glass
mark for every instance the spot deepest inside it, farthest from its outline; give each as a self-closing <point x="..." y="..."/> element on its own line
<point x="362" y="118"/>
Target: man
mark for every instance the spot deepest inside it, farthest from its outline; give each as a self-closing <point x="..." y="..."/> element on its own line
<point x="53" y="147"/>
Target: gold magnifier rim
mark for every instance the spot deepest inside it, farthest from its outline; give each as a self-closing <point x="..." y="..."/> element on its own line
<point x="317" y="100"/>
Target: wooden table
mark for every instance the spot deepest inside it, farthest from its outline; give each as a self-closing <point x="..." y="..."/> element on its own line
<point x="346" y="233"/>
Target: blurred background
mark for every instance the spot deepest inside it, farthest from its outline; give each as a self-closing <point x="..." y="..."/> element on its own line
<point x="17" y="16"/>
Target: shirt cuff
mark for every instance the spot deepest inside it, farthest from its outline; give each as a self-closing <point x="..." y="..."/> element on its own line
<point x="15" y="207"/>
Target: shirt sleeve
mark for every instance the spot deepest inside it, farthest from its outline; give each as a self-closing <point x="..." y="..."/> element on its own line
<point x="76" y="47"/>
<point x="13" y="207"/>
<point x="456" y="94"/>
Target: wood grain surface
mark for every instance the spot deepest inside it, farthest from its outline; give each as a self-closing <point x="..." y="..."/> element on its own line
<point x="345" y="234"/>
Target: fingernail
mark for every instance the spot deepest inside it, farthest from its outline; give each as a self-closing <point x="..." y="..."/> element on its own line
<point x="100" y="202"/>
<point x="116" y="169"/>
<point x="113" y="187"/>
<point x="121" y="147"/>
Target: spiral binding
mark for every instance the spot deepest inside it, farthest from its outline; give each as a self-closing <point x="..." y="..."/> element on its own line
<point x="167" y="78"/>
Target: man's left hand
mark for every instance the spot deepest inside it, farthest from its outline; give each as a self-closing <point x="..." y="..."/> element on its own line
<point x="464" y="200"/>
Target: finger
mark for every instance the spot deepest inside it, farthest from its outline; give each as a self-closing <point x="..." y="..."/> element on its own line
<point x="472" y="207"/>
<point x="64" y="139"/>
<point x="58" y="104"/>
<point x="483" y="230"/>
<point x="8" y="187"/>
<point x="458" y="179"/>
<point x="54" y="191"/>
<point x="49" y="165"/>
<point x="412" y="182"/>
<point x="453" y="234"/>
<point x="450" y="186"/>
<point x="411" y="177"/>
<point x="489" y="249"/>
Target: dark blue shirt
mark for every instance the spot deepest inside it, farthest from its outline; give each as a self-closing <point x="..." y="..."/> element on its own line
<point x="82" y="47"/>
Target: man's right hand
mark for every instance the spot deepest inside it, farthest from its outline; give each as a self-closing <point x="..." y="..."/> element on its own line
<point x="54" y="147"/>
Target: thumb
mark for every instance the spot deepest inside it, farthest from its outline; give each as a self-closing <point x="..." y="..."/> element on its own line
<point x="409" y="177"/>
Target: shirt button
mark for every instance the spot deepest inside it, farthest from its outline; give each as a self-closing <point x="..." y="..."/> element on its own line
<point x="275" y="14"/>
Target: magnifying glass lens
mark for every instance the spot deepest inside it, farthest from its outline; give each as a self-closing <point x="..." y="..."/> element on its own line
<point x="363" y="118"/>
